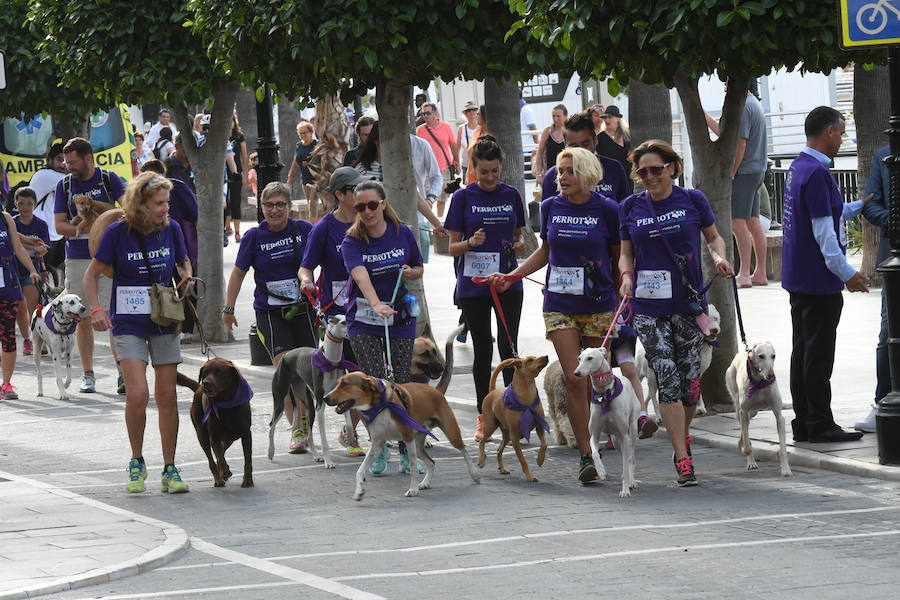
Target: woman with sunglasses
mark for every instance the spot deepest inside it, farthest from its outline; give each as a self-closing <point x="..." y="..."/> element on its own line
<point x="663" y="275"/>
<point x="580" y="233"/>
<point x="274" y="249"/>
<point x="381" y="253"/>
<point x="324" y="252"/>
<point x="485" y="222"/>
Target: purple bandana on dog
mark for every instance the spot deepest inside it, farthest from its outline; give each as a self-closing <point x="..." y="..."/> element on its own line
<point x="755" y="386"/>
<point x="605" y="399"/>
<point x="421" y="378"/>
<point x="320" y="362"/>
<point x="398" y="410"/>
<point x="529" y="416"/>
<point x="48" y="321"/>
<point x="241" y="396"/>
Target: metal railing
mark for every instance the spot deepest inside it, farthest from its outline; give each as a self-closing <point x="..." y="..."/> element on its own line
<point x="846" y="180"/>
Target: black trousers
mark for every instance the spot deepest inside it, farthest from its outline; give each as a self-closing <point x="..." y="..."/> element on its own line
<point x="815" y="319"/>
<point x="477" y="313"/>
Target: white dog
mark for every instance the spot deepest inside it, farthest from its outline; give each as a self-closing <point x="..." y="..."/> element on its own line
<point x="751" y="383"/>
<point x="55" y="326"/>
<point x="645" y="372"/>
<point x="614" y="411"/>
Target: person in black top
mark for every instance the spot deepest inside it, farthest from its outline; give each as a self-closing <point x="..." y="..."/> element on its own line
<point x="363" y="128"/>
<point x="236" y="179"/>
<point x="614" y="140"/>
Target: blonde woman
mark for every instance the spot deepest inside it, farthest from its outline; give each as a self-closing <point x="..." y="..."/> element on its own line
<point x="580" y="233"/>
<point x="143" y="248"/>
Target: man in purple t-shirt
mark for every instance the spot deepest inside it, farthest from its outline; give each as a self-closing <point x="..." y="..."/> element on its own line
<point x="103" y="186"/>
<point x="579" y="133"/>
<point x="815" y="271"/>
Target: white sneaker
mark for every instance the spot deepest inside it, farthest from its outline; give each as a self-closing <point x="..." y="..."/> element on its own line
<point x="867" y="425"/>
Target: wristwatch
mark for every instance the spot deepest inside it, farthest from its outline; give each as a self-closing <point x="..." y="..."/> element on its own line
<point x="227" y="310"/>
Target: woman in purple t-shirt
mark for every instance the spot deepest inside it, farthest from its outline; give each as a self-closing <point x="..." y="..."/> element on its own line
<point x="579" y="229"/>
<point x="379" y="248"/>
<point x="143" y="248"/>
<point x="485" y="222"/>
<point x="274" y="250"/>
<point x="666" y="297"/>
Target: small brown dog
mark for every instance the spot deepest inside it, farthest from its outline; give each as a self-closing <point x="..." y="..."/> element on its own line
<point x="221" y="414"/>
<point x="87" y="212"/>
<point x="513" y="409"/>
<point x="421" y="403"/>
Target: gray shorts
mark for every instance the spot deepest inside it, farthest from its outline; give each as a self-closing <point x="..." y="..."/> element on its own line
<point x="75" y="270"/>
<point x="744" y="199"/>
<point x="162" y="349"/>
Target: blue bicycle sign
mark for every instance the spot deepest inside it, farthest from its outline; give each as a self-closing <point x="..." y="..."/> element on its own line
<point x="869" y="23"/>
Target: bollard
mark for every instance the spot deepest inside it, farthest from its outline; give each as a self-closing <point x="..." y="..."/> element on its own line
<point x="887" y="423"/>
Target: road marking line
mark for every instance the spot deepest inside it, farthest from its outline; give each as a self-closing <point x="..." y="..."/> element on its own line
<point x="61" y="406"/>
<point x="308" y="579"/>
<point x="227" y="588"/>
<point x="624" y="553"/>
<point x="529" y="536"/>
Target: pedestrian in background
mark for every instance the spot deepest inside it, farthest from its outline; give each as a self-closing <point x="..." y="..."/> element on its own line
<point x="614" y="140"/>
<point x="237" y="179"/>
<point x="444" y="144"/>
<point x="307" y="134"/>
<point x="465" y="133"/>
<point x="552" y="142"/>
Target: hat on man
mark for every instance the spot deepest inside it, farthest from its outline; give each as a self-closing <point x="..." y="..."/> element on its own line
<point x="612" y="111"/>
<point x="470" y="105"/>
<point x="344" y="177"/>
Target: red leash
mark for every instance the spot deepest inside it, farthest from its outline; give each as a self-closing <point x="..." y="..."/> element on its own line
<point x="624" y="305"/>
<point x="496" y="298"/>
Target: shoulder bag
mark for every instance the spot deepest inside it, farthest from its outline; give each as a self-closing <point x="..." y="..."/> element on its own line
<point x="166" y="306"/>
<point x="454" y="182"/>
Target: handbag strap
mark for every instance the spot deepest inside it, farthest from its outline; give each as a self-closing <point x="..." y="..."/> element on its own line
<point x="680" y="260"/>
<point x="441" y="148"/>
<point x="144" y="255"/>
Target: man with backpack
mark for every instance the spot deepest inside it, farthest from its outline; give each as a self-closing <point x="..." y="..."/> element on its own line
<point x="44" y="183"/>
<point x="102" y="186"/>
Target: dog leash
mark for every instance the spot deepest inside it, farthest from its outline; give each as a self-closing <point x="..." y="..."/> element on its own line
<point x="389" y="366"/>
<point x="495" y="297"/>
<point x="624" y="305"/>
<point x="737" y="304"/>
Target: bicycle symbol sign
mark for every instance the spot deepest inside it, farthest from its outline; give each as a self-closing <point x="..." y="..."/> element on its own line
<point x="869" y="23"/>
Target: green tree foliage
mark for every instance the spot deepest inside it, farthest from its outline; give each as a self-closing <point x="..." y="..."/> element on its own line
<point x="33" y="81"/>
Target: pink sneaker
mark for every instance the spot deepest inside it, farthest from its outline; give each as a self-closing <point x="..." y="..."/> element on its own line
<point x="27" y="348"/>
<point x="8" y="392"/>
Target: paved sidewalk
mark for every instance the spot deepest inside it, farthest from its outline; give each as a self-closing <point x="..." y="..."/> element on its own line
<point x="52" y="540"/>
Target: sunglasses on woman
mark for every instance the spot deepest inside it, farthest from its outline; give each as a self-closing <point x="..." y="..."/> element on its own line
<point x="654" y="170"/>
<point x="371" y="205"/>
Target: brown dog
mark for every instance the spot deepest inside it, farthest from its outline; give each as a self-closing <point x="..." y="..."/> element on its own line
<point x="498" y="411"/>
<point x="425" y="405"/>
<point x="221" y="414"/>
<point x="87" y="212"/>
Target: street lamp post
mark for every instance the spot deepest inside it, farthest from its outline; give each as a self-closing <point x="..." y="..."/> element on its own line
<point x="269" y="169"/>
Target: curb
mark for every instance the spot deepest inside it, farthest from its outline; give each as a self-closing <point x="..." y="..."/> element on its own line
<point x="176" y="542"/>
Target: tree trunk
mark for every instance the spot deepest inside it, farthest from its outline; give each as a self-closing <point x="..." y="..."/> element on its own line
<point x="501" y="103"/>
<point x="650" y="113"/>
<point x="712" y="175"/>
<point x="394" y="98"/>
<point x="245" y="106"/>
<point x="288" y="118"/>
<point x="872" y="110"/>
<point x="331" y="127"/>
<point x="208" y="164"/>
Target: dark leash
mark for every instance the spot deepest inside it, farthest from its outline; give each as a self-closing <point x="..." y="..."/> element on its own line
<point x="737" y="304"/>
<point x="191" y="291"/>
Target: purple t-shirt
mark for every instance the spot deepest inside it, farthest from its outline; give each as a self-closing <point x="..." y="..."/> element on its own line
<point x="129" y="307"/>
<point x="810" y="192"/>
<point x="93" y="187"/>
<point x="659" y="290"/>
<point x="613" y="185"/>
<point x="324" y="250"/>
<point x="9" y="265"/>
<point x="579" y="267"/>
<point x="275" y="257"/>
<point x="499" y="212"/>
<point x="37" y="229"/>
<point x="382" y="258"/>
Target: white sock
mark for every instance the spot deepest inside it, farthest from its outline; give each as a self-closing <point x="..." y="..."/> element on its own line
<point x="643" y="413"/>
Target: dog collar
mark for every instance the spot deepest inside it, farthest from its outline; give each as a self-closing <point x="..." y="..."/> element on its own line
<point x="242" y="396"/>
<point x="331" y="338"/>
<point x="757" y="385"/>
<point x="320" y="362"/>
<point x="530" y="417"/>
<point x="397" y="410"/>
<point x="605" y="399"/>
<point x="48" y="321"/>
<point x="421" y="378"/>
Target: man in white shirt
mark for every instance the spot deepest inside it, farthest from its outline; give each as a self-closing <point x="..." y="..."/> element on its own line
<point x="43" y="182"/>
<point x="429" y="185"/>
<point x="527" y="121"/>
<point x="165" y="120"/>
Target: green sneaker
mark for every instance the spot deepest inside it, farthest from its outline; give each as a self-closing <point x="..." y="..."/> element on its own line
<point x="171" y="481"/>
<point x="300" y="438"/>
<point x="379" y="465"/>
<point x="137" y="473"/>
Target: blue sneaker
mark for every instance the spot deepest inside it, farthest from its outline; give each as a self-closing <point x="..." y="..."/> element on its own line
<point x="171" y="481"/>
<point x="380" y="464"/>
<point x="404" y="464"/>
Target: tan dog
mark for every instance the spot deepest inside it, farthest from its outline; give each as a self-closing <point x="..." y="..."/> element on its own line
<point x="99" y="228"/>
<point x="496" y="413"/>
<point x="87" y="212"/>
<point x="424" y="404"/>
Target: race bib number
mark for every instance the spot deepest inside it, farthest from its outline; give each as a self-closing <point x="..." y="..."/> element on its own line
<point x="288" y="288"/>
<point x="366" y="314"/>
<point x="481" y="264"/>
<point x="566" y="280"/>
<point x="653" y="285"/>
<point x="132" y="300"/>
<point x="339" y="291"/>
